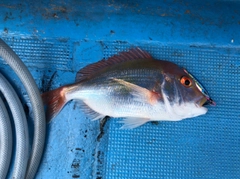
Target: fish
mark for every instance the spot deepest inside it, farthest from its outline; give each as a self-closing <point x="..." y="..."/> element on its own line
<point x="134" y="86"/>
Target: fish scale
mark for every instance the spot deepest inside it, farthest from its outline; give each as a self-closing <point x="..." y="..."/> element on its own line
<point x="146" y="79"/>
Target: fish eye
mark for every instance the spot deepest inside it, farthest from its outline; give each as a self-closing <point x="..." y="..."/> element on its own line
<point x="186" y="81"/>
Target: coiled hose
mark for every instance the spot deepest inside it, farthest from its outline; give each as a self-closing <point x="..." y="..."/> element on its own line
<point x="21" y="128"/>
<point x="37" y="106"/>
<point x="5" y="140"/>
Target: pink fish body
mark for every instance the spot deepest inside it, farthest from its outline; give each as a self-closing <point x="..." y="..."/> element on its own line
<point x="133" y="86"/>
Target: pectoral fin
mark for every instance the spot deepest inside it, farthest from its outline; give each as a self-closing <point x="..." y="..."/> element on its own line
<point x="140" y="92"/>
<point x="132" y="122"/>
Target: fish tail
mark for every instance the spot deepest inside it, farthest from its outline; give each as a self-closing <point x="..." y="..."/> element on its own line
<point x="54" y="101"/>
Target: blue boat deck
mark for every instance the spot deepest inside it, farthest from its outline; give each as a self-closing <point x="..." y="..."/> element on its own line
<point x="57" y="38"/>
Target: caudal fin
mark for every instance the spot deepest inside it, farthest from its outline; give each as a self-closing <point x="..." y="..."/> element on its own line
<point x="54" y="101"/>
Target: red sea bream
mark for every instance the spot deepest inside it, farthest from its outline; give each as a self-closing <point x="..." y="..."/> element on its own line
<point x="133" y="86"/>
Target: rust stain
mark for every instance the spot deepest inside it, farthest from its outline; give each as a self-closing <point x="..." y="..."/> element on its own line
<point x="166" y="15"/>
<point x="56" y="12"/>
<point x="187" y="12"/>
<point x="8" y="6"/>
<point x="60" y="9"/>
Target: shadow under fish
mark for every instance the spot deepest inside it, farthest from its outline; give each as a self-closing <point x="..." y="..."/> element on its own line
<point x="134" y="86"/>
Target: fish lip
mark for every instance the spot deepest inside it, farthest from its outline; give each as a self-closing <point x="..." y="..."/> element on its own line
<point x="209" y="101"/>
<point x="206" y="101"/>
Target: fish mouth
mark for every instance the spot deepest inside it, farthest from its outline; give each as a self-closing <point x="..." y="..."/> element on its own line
<point x="207" y="101"/>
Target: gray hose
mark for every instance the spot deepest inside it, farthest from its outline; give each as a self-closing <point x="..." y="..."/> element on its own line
<point x="21" y="128"/>
<point x="37" y="106"/>
<point x="5" y="140"/>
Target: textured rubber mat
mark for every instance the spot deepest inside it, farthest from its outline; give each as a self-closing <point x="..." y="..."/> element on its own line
<point x="42" y="54"/>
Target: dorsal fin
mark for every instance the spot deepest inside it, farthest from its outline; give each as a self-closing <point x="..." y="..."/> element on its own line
<point x="131" y="55"/>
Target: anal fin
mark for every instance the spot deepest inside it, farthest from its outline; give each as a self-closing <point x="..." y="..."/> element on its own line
<point x="133" y="122"/>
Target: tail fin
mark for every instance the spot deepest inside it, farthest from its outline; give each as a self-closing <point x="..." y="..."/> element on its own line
<point x="54" y="101"/>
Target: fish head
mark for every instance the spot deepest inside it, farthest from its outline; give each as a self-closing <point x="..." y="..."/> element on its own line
<point x="189" y="88"/>
<point x="194" y="91"/>
<point x="185" y="93"/>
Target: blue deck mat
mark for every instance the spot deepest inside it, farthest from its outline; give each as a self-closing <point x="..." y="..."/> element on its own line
<point x="57" y="38"/>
